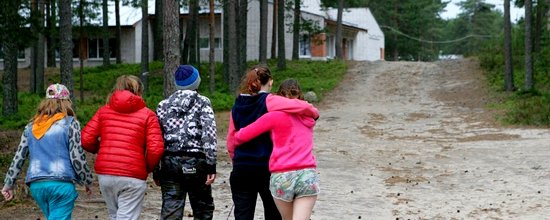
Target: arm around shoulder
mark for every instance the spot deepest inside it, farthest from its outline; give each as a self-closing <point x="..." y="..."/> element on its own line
<point x="295" y="106"/>
<point x="230" y="137"/>
<point x="261" y="125"/>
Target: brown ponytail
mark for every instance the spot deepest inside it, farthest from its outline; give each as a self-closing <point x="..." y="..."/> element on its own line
<point x="254" y="79"/>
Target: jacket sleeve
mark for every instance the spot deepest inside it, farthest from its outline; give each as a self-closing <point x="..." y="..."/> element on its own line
<point x="91" y="134"/>
<point x="295" y="106"/>
<point x="77" y="155"/>
<point x="160" y="113"/>
<point x="260" y="126"/>
<point x="209" y="138"/>
<point x="230" y="137"/>
<point x="154" y="142"/>
<point x="17" y="162"/>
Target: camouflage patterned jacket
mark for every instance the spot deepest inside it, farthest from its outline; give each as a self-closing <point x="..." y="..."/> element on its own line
<point x="188" y="126"/>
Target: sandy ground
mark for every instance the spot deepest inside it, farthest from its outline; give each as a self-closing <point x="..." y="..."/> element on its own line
<point x="402" y="140"/>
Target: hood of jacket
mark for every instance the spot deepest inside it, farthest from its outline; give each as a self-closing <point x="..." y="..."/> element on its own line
<point x="124" y="101"/>
<point x="250" y="104"/>
<point x="183" y="100"/>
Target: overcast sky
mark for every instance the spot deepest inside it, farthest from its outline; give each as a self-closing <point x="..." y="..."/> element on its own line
<point x="452" y="9"/>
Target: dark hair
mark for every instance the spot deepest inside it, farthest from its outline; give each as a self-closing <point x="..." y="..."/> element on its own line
<point x="254" y="79"/>
<point x="290" y="89"/>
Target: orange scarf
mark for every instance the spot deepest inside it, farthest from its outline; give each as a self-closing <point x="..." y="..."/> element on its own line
<point x="41" y="125"/>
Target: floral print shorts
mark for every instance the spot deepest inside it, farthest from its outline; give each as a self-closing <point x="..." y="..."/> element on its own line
<point x="289" y="185"/>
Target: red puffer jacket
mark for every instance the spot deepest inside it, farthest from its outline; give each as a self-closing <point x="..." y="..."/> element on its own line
<point x="126" y="136"/>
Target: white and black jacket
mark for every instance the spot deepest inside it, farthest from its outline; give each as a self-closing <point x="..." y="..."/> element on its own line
<point x="188" y="126"/>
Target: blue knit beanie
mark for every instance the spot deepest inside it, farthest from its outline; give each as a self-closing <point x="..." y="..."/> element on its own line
<point x="187" y="78"/>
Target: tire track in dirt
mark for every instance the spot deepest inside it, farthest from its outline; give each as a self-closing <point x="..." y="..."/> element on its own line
<point x="412" y="140"/>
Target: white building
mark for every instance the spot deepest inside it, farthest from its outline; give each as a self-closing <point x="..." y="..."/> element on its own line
<point x="362" y="37"/>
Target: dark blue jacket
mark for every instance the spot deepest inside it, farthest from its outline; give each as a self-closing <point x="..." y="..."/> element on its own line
<point x="255" y="153"/>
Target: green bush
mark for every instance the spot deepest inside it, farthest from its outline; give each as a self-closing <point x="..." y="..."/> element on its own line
<point x="317" y="76"/>
<point x="520" y="107"/>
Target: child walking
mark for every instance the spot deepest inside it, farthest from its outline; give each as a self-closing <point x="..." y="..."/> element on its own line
<point x="51" y="141"/>
<point x="127" y="138"/>
<point x="294" y="182"/>
<point x="188" y="166"/>
<point x="250" y="175"/>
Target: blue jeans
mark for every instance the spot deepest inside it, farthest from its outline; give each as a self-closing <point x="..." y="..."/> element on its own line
<point x="55" y="198"/>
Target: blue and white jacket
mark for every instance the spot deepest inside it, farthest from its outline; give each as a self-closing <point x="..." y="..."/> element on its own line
<point x="57" y="156"/>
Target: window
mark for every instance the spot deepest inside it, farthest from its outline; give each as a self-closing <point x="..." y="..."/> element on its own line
<point x="330" y="46"/>
<point x="204" y="43"/>
<point x="305" y="46"/>
<point x="95" y="48"/>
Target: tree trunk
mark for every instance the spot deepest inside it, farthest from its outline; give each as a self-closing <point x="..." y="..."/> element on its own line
<point x="274" y="31"/>
<point x="118" y="32"/>
<point x="81" y="55"/>
<point x="185" y="54"/>
<point x="144" y="44"/>
<point x="66" y="45"/>
<point x="339" y="46"/>
<point x="37" y="75"/>
<point x="197" y="38"/>
<point x="225" y="43"/>
<point x="508" y="65"/>
<point x="232" y="49"/>
<point x="50" y="32"/>
<point x="106" y="53"/>
<point x="192" y="32"/>
<point x="34" y="49"/>
<point x="242" y="23"/>
<point x="263" y="32"/>
<point x="9" y="9"/>
<point x="183" y="45"/>
<point x="296" y="31"/>
<point x="529" y="79"/>
<point x="212" y="42"/>
<point x="539" y="20"/>
<point x="9" y="78"/>
<point x="170" y="24"/>
<point x="281" y="61"/>
<point x="158" y="51"/>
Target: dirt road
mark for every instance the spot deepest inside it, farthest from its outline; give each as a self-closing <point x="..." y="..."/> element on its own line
<point x="406" y="140"/>
<point x="412" y="141"/>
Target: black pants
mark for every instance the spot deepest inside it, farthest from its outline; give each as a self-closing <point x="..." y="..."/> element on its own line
<point x="176" y="186"/>
<point x="245" y="187"/>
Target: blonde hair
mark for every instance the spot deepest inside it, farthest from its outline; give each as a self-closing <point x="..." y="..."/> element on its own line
<point x="49" y="107"/>
<point x="290" y="89"/>
<point x="127" y="82"/>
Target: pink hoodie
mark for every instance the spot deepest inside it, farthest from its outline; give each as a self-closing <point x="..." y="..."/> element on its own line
<point x="292" y="137"/>
<point x="277" y="103"/>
